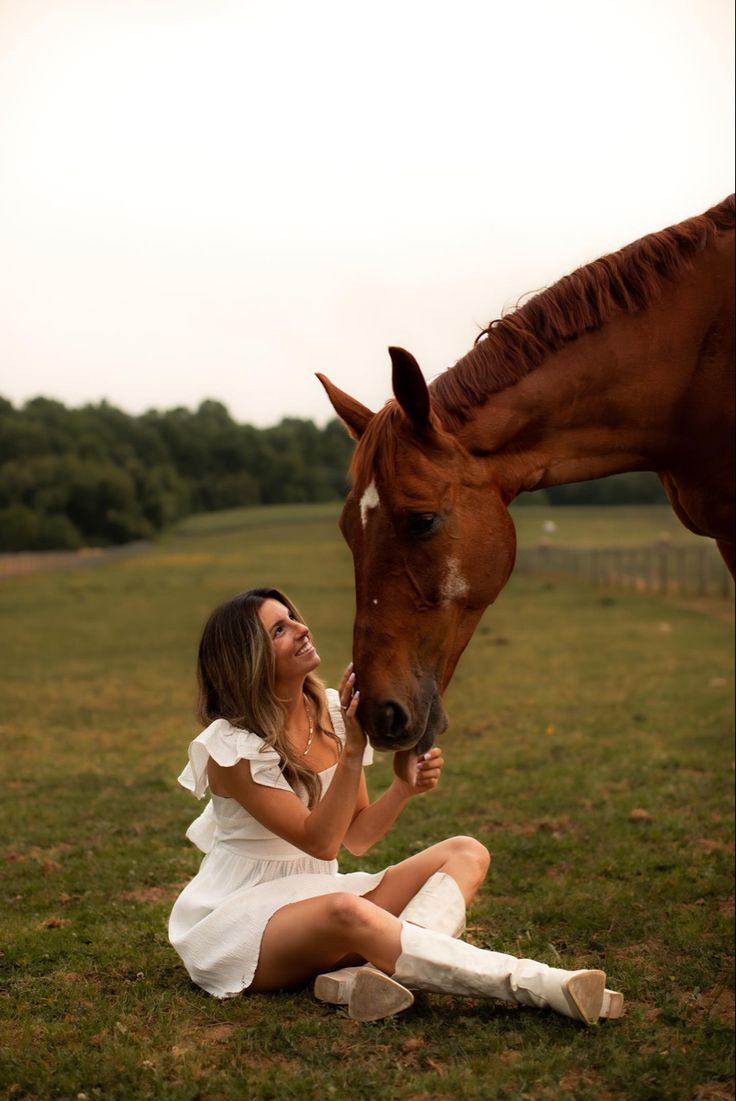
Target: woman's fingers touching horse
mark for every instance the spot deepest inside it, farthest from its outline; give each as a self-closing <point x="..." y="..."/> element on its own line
<point x="352" y="705"/>
<point x="344" y="680"/>
<point x="347" y="691"/>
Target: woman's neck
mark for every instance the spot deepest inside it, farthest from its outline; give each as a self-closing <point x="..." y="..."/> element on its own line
<point x="293" y="696"/>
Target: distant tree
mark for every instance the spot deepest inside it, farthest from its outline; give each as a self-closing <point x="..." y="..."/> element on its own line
<point x="636" y="488"/>
<point x="96" y="475"/>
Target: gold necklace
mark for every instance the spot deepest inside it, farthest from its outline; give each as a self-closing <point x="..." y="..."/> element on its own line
<point x="311" y="728"/>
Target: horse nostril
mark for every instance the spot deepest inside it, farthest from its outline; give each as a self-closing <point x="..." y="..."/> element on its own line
<point x="385" y="722"/>
<point x="392" y="719"/>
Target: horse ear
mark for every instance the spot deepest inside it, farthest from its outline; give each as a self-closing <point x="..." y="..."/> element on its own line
<point x="409" y="387"/>
<point x="354" y="416"/>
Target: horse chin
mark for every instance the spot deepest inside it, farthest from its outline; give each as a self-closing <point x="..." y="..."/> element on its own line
<point x="436" y="724"/>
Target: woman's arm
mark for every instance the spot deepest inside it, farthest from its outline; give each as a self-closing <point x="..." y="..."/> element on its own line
<point x="413" y="777"/>
<point x="320" y="831"/>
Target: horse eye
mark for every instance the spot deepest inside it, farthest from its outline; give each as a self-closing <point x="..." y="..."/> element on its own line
<point x="420" y="523"/>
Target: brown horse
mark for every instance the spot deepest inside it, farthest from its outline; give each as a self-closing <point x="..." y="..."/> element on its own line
<point x="627" y="364"/>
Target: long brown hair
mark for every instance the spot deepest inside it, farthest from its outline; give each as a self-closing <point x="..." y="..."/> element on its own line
<point x="237" y="682"/>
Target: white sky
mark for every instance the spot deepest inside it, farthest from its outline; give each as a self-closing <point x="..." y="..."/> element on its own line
<point x="203" y="198"/>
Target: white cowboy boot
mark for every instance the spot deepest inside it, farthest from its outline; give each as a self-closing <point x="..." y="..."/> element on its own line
<point x="440" y="906"/>
<point x="437" y="963"/>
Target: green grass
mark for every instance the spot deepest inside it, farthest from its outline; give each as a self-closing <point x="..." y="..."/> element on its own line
<point x="591" y="526"/>
<point x="575" y="526"/>
<point x="590" y="748"/>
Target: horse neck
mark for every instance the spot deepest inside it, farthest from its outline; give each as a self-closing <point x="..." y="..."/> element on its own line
<point x="610" y="401"/>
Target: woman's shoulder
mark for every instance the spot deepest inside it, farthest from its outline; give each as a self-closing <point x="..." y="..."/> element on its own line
<point x="229" y="744"/>
<point x="226" y="745"/>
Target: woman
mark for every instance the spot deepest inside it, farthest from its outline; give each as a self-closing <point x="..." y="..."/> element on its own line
<point x="268" y="909"/>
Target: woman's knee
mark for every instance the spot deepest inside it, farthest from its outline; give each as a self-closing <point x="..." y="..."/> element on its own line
<point x="347" y="911"/>
<point x="473" y="854"/>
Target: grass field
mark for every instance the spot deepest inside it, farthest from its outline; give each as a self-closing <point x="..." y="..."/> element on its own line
<point x="590" y="748"/>
<point x="575" y="526"/>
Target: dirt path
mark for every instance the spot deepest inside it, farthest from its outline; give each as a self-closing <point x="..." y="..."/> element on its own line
<point x="37" y="561"/>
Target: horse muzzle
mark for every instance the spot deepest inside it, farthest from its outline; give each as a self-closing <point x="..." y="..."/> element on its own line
<point x="391" y="727"/>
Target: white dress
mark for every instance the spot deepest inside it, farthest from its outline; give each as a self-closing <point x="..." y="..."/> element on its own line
<point x="248" y="873"/>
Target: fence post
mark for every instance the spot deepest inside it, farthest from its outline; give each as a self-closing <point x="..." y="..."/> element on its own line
<point x="702" y="570"/>
<point x="663" y="548"/>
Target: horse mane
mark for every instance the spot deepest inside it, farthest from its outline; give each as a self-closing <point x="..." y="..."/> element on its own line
<point x="514" y="345"/>
<point x="624" y="281"/>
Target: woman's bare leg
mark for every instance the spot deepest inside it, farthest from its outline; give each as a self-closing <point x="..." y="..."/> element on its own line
<point x="464" y="858"/>
<point x="305" y="938"/>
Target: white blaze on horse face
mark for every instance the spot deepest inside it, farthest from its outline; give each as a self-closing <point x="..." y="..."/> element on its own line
<point x="368" y="501"/>
<point x="454" y="585"/>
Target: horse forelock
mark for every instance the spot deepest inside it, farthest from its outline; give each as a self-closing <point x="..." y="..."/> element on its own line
<point x="624" y="281"/>
<point x="374" y="459"/>
<point x="377" y="459"/>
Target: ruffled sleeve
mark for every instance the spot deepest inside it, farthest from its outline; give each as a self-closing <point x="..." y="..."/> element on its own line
<point x="227" y="745"/>
<point x="333" y="706"/>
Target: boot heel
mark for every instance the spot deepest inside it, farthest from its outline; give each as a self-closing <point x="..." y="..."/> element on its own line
<point x="584" y="992"/>
<point x="374" y="995"/>
<point x="613" y="1004"/>
<point x="335" y="986"/>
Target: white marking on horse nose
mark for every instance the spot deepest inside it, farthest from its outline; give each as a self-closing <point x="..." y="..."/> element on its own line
<point x="454" y="585"/>
<point x="368" y="501"/>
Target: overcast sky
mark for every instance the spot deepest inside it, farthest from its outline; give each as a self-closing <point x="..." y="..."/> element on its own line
<point x="202" y="198"/>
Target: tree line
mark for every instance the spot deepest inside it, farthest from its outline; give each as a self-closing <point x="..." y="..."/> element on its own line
<point x="96" y="476"/>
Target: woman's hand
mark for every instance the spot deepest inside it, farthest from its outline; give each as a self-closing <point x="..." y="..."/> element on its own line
<point x="355" y="739"/>
<point x="418" y="775"/>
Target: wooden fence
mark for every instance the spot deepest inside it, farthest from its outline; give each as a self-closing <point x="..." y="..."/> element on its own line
<point x="661" y="567"/>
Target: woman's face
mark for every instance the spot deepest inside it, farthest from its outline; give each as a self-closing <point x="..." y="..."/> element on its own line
<point x="293" y="649"/>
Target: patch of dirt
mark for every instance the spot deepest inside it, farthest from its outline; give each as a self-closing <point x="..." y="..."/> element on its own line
<point x="197" y="1039"/>
<point x="413" y="1044"/>
<point x="557" y="871"/>
<point x="45" y="858"/>
<point x="575" y="1079"/>
<point x="292" y="1067"/>
<point x="715" y="1004"/>
<point x="644" y="950"/>
<point x="572" y="1083"/>
<point x="35" y="561"/>
<point x="557" y="827"/>
<point x="714" y="1091"/>
<point x="167" y="892"/>
<point x="713" y="844"/>
<point x="431" y="1097"/>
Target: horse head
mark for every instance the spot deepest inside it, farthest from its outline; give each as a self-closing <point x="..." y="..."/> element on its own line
<point x="417" y="520"/>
